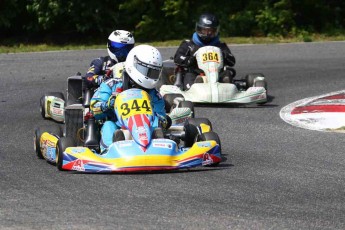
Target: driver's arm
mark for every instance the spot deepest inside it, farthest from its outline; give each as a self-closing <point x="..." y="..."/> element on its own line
<point x="183" y="56"/>
<point x="229" y="58"/>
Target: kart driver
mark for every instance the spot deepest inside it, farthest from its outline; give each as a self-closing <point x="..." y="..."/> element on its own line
<point x="142" y="70"/>
<point x="206" y="34"/>
<point x="120" y="42"/>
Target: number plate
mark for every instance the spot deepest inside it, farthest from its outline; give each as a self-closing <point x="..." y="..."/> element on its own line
<point x="129" y="106"/>
<point x="210" y="57"/>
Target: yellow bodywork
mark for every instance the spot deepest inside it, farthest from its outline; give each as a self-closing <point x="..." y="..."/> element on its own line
<point x="142" y="159"/>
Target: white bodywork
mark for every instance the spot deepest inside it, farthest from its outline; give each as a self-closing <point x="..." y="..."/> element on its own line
<point x="54" y="108"/>
<point x="210" y="60"/>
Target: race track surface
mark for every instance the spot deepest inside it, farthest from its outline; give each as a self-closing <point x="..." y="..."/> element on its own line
<point x="276" y="176"/>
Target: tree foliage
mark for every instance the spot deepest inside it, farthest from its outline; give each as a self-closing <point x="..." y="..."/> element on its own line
<point x="159" y="20"/>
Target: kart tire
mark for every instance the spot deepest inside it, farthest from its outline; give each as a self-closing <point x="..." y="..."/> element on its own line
<point x="191" y="133"/>
<point x="52" y="129"/>
<point x="169" y="101"/>
<point x="37" y="143"/>
<point x="43" y="107"/>
<point x="211" y="136"/>
<point x="198" y="121"/>
<point x="187" y="104"/>
<point x="261" y="83"/>
<point x="42" y="101"/>
<point x="62" y="144"/>
<point x="249" y="79"/>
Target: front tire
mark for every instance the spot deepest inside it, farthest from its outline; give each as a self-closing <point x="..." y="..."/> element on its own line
<point x="191" y="133"/>
<point x="249" y="79"/>
<point x="52" y="129"/>
<point x="37" y="144"/>
<point x="261" y="83"/>
<point x="198" y="121"/>
<point x="62" y="145"/>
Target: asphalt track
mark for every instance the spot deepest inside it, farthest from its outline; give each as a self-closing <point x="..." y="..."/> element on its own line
<point x="276" y="176"/>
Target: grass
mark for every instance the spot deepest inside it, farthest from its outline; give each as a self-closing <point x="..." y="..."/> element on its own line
<point x="15" y="48"/>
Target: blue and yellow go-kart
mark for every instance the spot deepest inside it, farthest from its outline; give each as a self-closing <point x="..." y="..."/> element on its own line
<point x="145" y="148"/>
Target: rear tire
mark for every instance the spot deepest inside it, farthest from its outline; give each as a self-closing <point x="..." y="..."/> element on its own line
<point x="43" y="107"/>
<point x="211" y="136"/>
<point x="198" y="121"/>
<point x="62" y="145"/>
<point x="43" y="104"/>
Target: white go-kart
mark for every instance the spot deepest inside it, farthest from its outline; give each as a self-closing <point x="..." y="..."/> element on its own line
<point x="251" y="89"/>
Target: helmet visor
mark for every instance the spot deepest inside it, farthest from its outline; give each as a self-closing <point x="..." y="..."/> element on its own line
<point x="148" y="70"/>
<point x="115" y="46"/>
<point x="209" y="32"/>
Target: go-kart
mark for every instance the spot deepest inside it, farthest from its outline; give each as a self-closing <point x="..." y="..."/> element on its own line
<point x="251" y="89"/>
<point x="52" y="104"/>
<point x="145" y="146"/>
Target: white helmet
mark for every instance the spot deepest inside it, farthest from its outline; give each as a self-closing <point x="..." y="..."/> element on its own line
<point x="120" y="42"/>
<point x="144" y="65"/>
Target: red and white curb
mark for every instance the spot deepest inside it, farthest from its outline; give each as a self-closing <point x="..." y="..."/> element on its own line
<point x="322" y="113"/>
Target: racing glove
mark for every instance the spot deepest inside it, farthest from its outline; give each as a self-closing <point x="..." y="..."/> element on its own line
<point x="94" y="81"/>
<point x="109" y="72"/>
<point x="191" y="61"/>
<point x="229" y="59"/>
<point x="107" y="105"/>
<point x="164" y="122"/>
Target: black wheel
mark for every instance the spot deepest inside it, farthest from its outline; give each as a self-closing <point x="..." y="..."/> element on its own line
<point x="187" y="104"/>
<point x="169" y="101"/>
<point x="55" y="94"/>
<point x="54" y="129"/>
<point x="211" y="136"/>
<point x="37" y="143"/>
<point x="198" y="121"/>
<point x="43" y="104"/>
<point x="191" y="133"/>
<point x="43" y="107"/>
<point x="62" y="145"/>
<point x="249" y="79"/>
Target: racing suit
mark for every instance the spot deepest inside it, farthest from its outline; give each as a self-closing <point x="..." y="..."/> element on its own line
<point x="102" y="111"/>
<point x="184" y="58"/>
<point x="98" y="71"/>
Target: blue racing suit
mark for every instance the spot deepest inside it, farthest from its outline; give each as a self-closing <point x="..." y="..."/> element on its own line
<point x="102" y="111"/>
